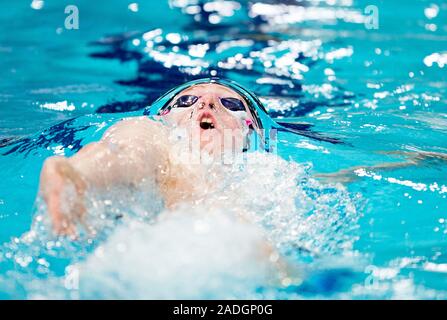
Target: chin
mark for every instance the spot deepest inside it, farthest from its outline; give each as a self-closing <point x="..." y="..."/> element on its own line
<point x="210" y="136"/>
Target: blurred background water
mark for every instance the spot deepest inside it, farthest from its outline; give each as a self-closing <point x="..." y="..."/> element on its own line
<point x="368" y="105"/>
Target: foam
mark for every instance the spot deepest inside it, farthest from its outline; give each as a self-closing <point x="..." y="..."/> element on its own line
<point x="218" y="247"/>
<point x="187" y="255"/>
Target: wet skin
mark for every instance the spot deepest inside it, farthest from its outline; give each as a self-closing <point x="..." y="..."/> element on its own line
<point x="209" y="116"/>
<point x="137" y="149"/>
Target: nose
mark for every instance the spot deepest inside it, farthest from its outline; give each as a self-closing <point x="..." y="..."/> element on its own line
<point x="208" y="100"/>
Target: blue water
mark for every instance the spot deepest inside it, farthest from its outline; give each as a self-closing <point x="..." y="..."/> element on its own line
<point x="368" y="154"/>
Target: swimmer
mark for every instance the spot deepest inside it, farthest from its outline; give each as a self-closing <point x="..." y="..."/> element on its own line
<point x="139" y="149"/>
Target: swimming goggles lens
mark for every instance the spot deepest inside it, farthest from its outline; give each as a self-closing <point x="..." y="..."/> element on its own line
<point x="232" y="104"/>
<point x="185" y="101"/>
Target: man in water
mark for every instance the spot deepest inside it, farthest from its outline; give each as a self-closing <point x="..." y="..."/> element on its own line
<point x="138" y="149"/>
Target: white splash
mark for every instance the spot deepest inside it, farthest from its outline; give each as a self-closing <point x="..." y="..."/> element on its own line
<point x="133" y="7"/>
<point x="227" y="245"/>
<point x="190" y="254"/>
<point x="439" y="58"/>
<point x="339" y="54"/>
<point x="37" y="4"/>
<point x="432" y="11"/>
<point x="58" y="106"/>
<point x="288" y="14"/>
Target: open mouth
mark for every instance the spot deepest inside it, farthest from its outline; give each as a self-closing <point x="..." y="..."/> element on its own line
<point x="207" y="122"/>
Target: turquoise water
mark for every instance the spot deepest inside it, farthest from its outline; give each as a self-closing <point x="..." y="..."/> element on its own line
<point x="366" y="169"/>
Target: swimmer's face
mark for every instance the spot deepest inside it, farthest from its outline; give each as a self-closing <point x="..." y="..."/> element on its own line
<point x="211" y="109"/>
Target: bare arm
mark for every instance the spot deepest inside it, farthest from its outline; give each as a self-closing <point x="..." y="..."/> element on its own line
<point x="129" y="152"/>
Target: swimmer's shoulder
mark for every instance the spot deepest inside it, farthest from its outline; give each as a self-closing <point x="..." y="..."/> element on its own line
<point x="134" y="128"/>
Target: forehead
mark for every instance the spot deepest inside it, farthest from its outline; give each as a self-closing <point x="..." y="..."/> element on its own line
<point x="211" y="87"/>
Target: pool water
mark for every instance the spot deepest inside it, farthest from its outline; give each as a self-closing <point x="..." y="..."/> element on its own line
<point x="355" y="197"/>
